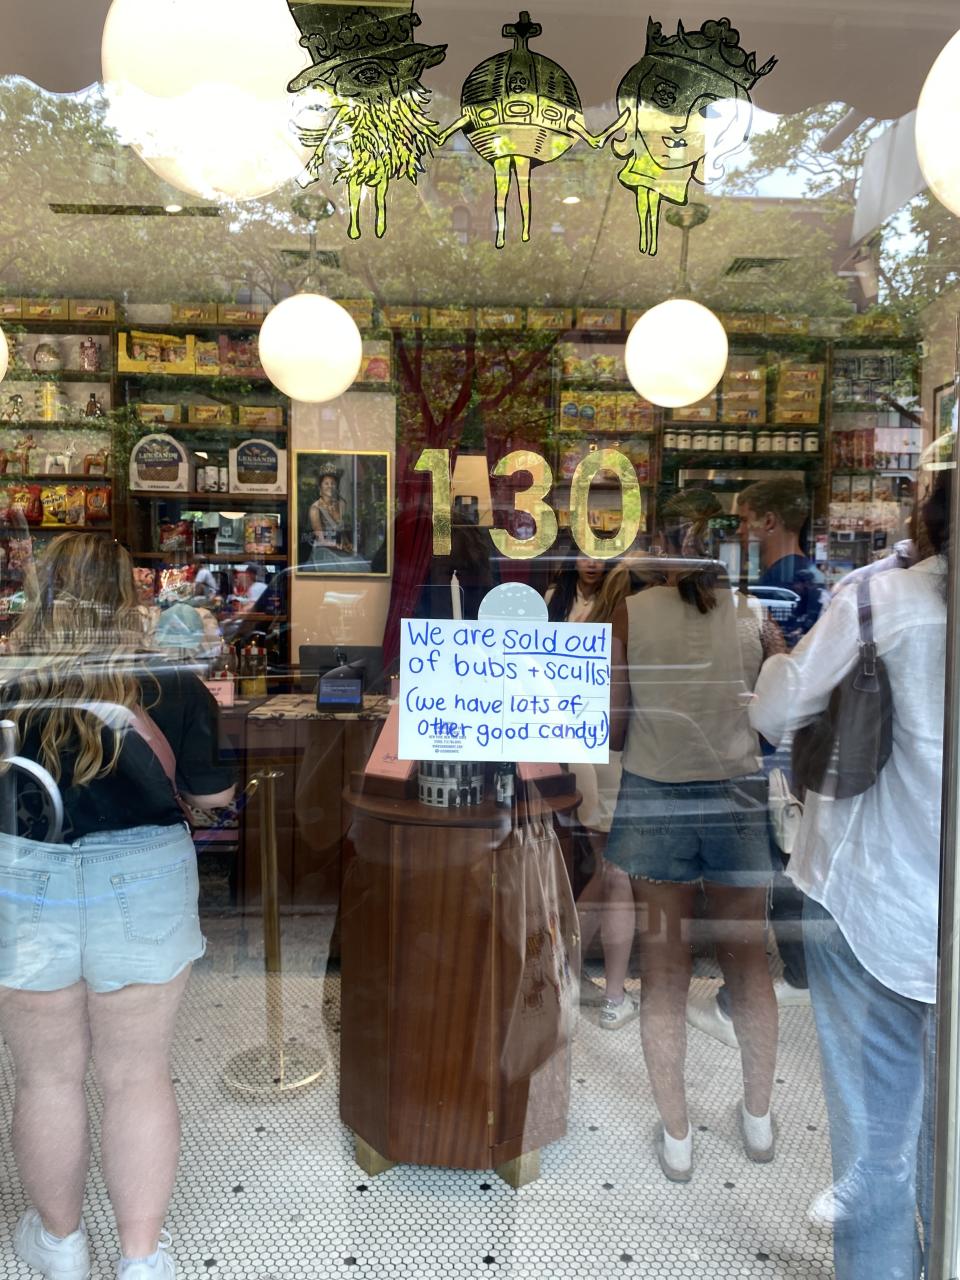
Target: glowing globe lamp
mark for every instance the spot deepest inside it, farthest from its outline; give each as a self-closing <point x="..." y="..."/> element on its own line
<point x="4" y="355"/>
<point x="938" y="119"/>
<point x="676" y="353"/>
<point x="310" y="348"/>
<point x="198" y="88"/>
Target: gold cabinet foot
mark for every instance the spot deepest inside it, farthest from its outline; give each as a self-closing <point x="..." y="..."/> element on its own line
<point x="370" y="1161"/>
<point x="520" y="1171"/>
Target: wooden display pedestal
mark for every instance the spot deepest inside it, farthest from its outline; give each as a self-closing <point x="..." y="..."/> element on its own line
<point x="458" y="937"/>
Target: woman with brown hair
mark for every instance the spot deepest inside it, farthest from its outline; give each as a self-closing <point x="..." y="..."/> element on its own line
<point x="691" y="817"/>
<point x="98" y="933"/>
<point x="588" y="590"/>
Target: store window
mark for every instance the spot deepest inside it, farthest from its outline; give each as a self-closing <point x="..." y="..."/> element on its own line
<point x="474" y="595"/>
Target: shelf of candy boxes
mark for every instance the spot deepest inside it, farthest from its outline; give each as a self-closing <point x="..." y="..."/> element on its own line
<point x="48" y="503"/>
<point x="741" y="439"/>
<point x="571" y="454"/>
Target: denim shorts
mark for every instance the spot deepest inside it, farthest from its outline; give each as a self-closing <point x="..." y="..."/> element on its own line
<point x="113" y="909"/>
<point x="684" y="832"/>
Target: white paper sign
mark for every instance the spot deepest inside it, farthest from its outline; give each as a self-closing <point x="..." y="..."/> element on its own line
<point x="520" y="691"/>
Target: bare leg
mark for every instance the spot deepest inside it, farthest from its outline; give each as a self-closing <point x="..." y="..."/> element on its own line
<point x="380" y="205"/>
<point x="654" y="216"/>
<point x="522" y="168"/>
<point x="354" y="190"/>
<point x="502" y="169"/>
<point x="47" y="1034"/>
<point x="617" y="929"/>
<point x="132" y="1033"/>
<point x="666" y="963"/>
<point x="738" y="917"/>
<point x="643" y="214"/>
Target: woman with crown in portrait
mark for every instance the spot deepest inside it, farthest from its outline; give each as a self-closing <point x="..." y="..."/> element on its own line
<point x="685" y="108"/>
<point x="362" y="95"/>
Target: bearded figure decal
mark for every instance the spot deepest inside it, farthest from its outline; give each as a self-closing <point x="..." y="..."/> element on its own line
<point x="685" y="107"/>
<point x="363" y="98"/>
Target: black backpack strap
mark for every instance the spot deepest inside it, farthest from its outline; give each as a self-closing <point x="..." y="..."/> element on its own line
<point x="868" y="646"/>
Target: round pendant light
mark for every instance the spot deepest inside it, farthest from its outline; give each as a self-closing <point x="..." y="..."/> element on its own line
<point x="198" y="88"/>
<point x="938" y="116"/>
<point x="310" y="348"/>
<point x="676" y="353"/>
<point x="4" y="355"/>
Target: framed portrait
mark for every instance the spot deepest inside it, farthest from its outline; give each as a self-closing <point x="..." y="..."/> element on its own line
<point x="342" y="514"/>
<point x="944" y="407"/>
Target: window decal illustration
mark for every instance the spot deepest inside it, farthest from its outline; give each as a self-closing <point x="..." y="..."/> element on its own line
<point x="520" y="109"/>
<point x="685" y="107"/>
<point x="365" y="91"/>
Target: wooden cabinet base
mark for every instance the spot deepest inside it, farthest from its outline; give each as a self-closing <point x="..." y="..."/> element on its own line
<point x="458" y="979"/>
<point x="518" y="1173"/>
<point x="371" y="1162"/>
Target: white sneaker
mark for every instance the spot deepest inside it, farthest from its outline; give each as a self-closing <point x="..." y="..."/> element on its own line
<point x="66" y="1259"/>
<point x="705" y="1014"/>
<point x="162" y="1267"/>
<point x="788" y="995"/>
<point x="614" y="1016"/>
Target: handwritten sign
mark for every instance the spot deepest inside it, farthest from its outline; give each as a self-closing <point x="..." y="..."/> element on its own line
<point x="505" y="691"/>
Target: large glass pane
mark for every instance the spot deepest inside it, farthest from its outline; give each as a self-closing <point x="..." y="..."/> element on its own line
<point x="475" y="494"/>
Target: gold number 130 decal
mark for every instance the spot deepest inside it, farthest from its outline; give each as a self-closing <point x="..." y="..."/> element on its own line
<point x="530" y="502"/>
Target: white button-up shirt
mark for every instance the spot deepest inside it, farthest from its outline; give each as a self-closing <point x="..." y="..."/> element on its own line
<point x="873" y="860"/>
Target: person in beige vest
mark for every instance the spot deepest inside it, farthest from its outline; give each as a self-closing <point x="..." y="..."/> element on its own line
<point x="691" y="818"/>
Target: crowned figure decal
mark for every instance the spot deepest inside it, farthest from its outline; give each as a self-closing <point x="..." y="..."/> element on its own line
<point x="362" y="97"/>
<point x="685" y="107"/>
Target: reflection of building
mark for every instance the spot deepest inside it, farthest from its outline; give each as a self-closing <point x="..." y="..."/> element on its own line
<point x="450" y="784"/>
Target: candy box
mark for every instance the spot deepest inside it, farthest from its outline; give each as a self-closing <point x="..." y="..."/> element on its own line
<point x="240" y="356"/>
<point x="160" y="462"/>
<point x="260" y="415"/>
<point x="258" y="466"/>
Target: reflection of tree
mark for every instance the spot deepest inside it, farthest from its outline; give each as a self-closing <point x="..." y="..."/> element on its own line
<point x="916" y="251"/>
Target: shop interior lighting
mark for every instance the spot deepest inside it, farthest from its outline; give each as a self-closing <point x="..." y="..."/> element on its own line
<point x="4" y="355"/>
<point x="937" y="123"/>
<point x="676" y="353"/>
<point x="571" y="199"/>
<point x="198" y="88"/>
<point x="310" y="348"/>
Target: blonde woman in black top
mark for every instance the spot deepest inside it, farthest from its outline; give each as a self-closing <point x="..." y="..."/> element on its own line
<point x="99" y="932"/>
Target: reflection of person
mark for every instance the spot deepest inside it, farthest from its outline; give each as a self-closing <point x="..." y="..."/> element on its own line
<point x="587" y="590"/>
<point x="247" y="588"/>
<point x="773" y="514"/>
<point x="691" y="818"/>
<point x="685" y="105"/>
<point x="103" y="953"/>
<point x="869" y="868"/>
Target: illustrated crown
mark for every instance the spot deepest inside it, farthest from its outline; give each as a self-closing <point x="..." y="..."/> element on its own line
<point x="354" y="32"/>
<point x="716" y="46"/>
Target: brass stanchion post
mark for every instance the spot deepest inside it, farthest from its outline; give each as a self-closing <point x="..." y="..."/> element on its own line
<point x="276" y="1069"/>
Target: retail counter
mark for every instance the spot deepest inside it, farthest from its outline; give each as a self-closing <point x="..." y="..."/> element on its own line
<point x="315" y="751"/>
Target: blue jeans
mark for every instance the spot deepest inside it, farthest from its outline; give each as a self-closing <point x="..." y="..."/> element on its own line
<point x="878" y="1057"/>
